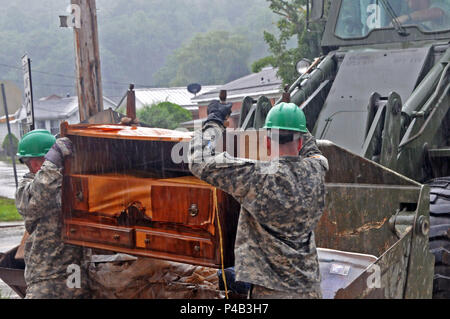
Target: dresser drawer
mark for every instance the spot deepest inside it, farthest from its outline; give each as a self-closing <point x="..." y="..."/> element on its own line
<point x="177" y="244"/>
<point x="97" y="233"/>
<point x="187" y="205"/>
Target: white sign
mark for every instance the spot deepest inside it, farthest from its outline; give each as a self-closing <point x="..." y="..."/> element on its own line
<point x="27" y="89"/>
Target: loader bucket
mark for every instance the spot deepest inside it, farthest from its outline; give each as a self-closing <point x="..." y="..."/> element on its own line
<point x="375" y="225"/>
<point x="373" y="234"/>
<point x="12" y="272"/>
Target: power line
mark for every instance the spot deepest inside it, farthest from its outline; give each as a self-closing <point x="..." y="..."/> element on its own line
<point x="72" y="77"/>
<point x="64" y="85"/>
<point x="10" y="66"/>
<point x="54" y="85"/>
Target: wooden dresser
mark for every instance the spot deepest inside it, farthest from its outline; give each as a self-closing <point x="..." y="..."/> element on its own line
<point x="129" y="189"/>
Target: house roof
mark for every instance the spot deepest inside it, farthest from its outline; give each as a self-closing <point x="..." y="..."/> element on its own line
<point x="176" y="95"/>
<point x="115" y="99"/>
<point x="265" y="82"/>
<point x="50" y="97"/>
<point x="55" y="108"/>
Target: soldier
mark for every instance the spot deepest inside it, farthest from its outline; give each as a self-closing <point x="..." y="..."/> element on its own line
<point x="281" y="201"/>
<point x="52" y="269"/>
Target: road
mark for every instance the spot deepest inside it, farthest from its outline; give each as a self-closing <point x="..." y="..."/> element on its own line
<point x="10" y="233"/>
<point x="10" y="237"/>
<point x="7" y="182"/>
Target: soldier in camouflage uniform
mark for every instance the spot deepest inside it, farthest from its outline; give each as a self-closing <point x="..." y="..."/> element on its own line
<point x="281" y="201"/>
<point x="52" y="267"/>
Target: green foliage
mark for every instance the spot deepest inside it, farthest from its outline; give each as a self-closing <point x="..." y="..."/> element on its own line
<point x="7" y="146"/>
<point x="122" y="110"/>
<point x="8" y="210"/>
<point x="258" y="65"/>
<point x="292" y="27"/>
<point x="164" y="115"/>
<point x="216" y="57"/>
<point x="136" y="38"/>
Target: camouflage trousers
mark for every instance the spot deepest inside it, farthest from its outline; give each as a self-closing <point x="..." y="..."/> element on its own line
<point x="260" y="292"/>
<point x="56" y="289"/>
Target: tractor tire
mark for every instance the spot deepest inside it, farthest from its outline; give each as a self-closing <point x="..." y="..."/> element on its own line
<point x="439" y="236"/>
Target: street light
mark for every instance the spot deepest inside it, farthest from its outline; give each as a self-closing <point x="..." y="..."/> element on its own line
<point x="303" y="66"/>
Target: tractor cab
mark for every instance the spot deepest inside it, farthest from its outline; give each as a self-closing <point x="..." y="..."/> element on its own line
<point x="365" y="22"/>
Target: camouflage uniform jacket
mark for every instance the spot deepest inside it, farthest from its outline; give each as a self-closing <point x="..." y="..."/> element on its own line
<point x="38" y="200"/>
<point x="275" y="245"/>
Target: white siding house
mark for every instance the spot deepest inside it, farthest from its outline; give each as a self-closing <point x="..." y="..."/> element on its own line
<point x="49" y="112"/>
<point x="176" y="95"/>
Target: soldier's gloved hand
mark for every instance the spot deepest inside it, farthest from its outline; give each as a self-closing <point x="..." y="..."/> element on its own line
<point x="61" y="149"/>
<point x="218" y="112"/>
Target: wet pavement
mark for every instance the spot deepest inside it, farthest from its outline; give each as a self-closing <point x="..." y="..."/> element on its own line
<point x="6" y="292"/>
<point x="10" y="233"/>
<point x="7" y="182"/>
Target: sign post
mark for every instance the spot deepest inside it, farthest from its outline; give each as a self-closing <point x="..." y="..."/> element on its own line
<point x="9" y="133"/>
<point x="28" y="91"/>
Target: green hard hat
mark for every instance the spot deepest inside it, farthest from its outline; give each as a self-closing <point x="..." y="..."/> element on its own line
<point x="36" y="144"/>
<point x="286" y="116"/>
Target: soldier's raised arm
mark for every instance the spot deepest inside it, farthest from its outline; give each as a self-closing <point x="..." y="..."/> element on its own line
<point x="214" y="166"/>
<point x="310" y="147"/>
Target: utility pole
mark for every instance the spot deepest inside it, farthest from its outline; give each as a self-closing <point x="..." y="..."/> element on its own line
<point x="87" y="58"/>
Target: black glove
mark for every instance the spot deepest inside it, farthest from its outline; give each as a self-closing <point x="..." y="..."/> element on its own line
<point x="218" y="112"/>
<point x="61" y="149"/>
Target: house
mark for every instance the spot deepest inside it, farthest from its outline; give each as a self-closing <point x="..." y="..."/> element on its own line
<point x="49" y="112"/>
<point x="176" y="95"/>
<point x="264" y="83"/>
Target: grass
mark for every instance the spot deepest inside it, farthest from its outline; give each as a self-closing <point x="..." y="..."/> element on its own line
<point x="8" y="210"/>
<point x="3" y="297"/>
<point x="7" y="159"/>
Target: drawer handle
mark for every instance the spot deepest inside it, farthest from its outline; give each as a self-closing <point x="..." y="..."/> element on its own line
<point x="116" y="237"/>
<point x="197" y="248"/>
<point x="193" y="210"/>
<point x="73" y="230"/>
<point x="147" y="241"/>
<point x="79" y="196"/>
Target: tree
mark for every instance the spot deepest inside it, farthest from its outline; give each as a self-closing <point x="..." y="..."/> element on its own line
<point x="7" y="146"/>
<point x="164" y="115"/>
<point x="262" y="63"/>
<point x="136" y="37"/>
<point x="292" y="26"/>
<point x="215" y="57"/>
